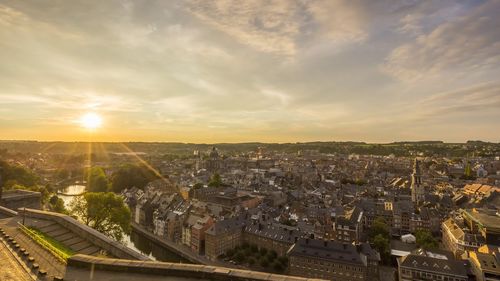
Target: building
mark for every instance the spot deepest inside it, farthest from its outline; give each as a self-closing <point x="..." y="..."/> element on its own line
<point x="417" y="188"/>
<point x="485" y="263"/>
<point x="484" y="222"/>
<point x="271" y="236"/>
<point x="333" y="260"/>
<point x="470" y="230"/>
<point x="198" y="234"/>
<point x="426" y="265"/>
<point x="348" y="228"/>
<point x="458" y="239"/>
<point x="222" y="236"/>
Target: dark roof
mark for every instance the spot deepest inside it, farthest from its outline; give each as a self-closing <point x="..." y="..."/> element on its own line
<point x="329" y="250"/>
<point x="274" y="232"/>
<point x="227" y="225"/>
<point x="438" y="264"/>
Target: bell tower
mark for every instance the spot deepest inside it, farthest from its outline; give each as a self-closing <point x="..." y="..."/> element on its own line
<point x="417" y="189"/>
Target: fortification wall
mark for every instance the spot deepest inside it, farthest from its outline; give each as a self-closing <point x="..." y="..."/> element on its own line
<point x="114" y="248"/>
<point x="84" y="268"/>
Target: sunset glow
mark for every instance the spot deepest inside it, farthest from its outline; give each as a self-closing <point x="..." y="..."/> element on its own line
<point x="91" y="121"/>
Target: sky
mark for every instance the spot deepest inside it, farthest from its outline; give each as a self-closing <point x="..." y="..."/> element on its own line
<point x="250" y="70"/>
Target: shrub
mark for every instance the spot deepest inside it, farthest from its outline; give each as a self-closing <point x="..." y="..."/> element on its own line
<point x="240" y="257"/>
<point x="248" y="251"/>
<point x="230" y="253"/>
<point x="264" y="262"/>
<point x="251" y="261"/>
<point x="277" y="266"/>
<point x="272" y="255"/>
<point x="263" y="251"/>
<point x="254" y="248"/>
<point x="283" y="260"/>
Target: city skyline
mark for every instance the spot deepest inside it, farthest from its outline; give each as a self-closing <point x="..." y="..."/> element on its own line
<point x="246" y="71"/>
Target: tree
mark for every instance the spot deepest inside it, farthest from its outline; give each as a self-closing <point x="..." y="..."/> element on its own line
<point x="263" y="251"/>
<point x="379" y="237"/>
<point x="272" y="255"/>
<point x="426" y="240"/>
<point x="379" y="227"/>
<point x="16" y="174"/>
<point x="97" y="180"/>
<point x="283" y="260"/>
<point x="128" y="176"/>
<point x="278" y="266"/>
<point x="240" y="256"/>
<point x="103" y="211"/>
<point x="215" y="181"/>
<point x="198" y="185"/>
<point x="56" y="204"/>
<point x="264" y="262"/>
<point x="381" y="244"/>
<point x="230" y="253"/>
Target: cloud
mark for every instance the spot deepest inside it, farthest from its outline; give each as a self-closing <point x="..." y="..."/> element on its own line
<point x="283" y="27"/>
<point x="239" y="70"/>
<point x="470" y="43"/>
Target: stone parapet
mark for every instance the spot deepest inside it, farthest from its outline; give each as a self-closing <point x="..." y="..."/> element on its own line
<point x="80" y="266"/>
<point x="112" y="247"/>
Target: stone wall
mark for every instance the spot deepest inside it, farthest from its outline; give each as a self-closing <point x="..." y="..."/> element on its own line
<point x="86" y="268"/>
<point x="14" y="199"/>
<point x="114" y="248"/>
<point x="7" y="213"/>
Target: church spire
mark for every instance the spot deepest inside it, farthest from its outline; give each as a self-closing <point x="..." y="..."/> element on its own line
<point x="417" y="190"/>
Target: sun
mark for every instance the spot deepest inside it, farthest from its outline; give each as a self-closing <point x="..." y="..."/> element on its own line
<point x="91" y="120"/>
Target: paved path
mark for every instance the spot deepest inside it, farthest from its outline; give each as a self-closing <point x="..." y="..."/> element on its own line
<point x="43" y="258"/>
<point x="11" y="269"/>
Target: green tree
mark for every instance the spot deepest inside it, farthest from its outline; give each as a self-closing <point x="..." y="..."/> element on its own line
<point x="382" y="245"/>
<point x="263" y="251"/>
<point x="230" y="253"/>
<point x="215" y="181"/>
<point x="264" y="262"/>
<point x="283" y="260"/>
<point x="62" y="174"/>
<point x="56" y="204"/>
<point x="379" y="226"/>
<point x="240" y="256"/>
<point x="16" y="174"/>
<point x="272" y="255"/>
<point x="278" y="266"/>
<point x="426" y="240"/>
<point x="198" y="185"/>
<point x="104" y="211"/>
<point x="128" y="176"/>
<point x="97" y="180"/>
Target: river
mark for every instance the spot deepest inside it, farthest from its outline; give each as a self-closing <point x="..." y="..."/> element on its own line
<point x="135" y="241"/>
